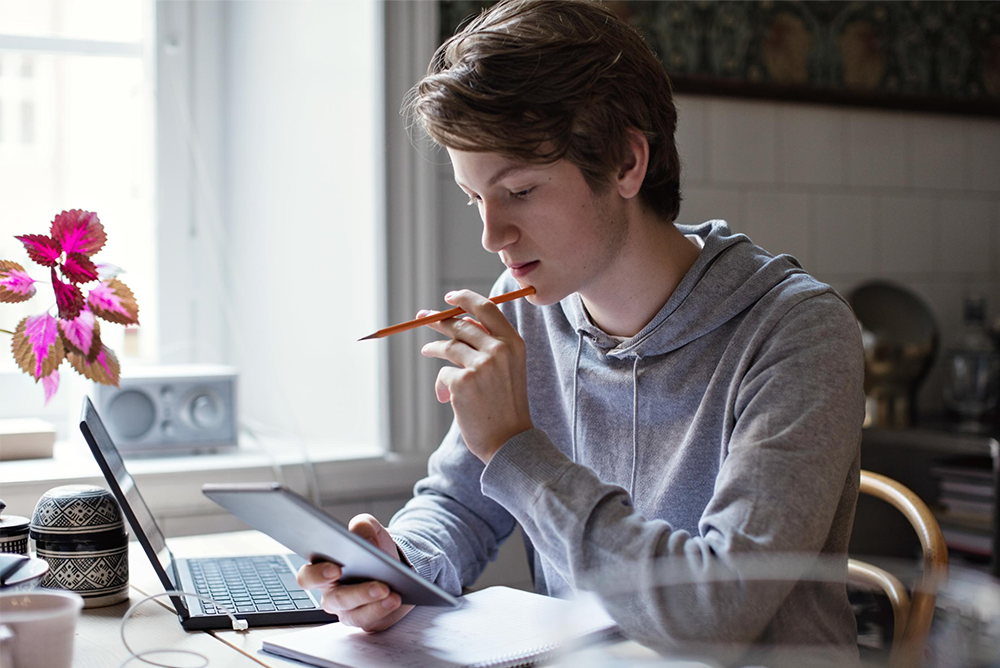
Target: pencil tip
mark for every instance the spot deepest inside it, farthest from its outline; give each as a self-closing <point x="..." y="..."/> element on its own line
<point x="370" y="336"/>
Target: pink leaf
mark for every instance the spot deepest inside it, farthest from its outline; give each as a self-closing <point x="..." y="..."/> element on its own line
<point x="42" y="249"/>
<point x="79" y="332"/>
<point x="78" y="268"/>
<point x="114" y="302"/>
<point x="38" y="350"/>
<point x="50" y="384"/>
<point x="105" y="368"/>
<point x="79" y="231"/>
<point x="68" y="298"/>
<point x="15" y="284"/>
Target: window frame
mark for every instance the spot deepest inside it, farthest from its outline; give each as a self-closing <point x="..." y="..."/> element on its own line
<point x="411" y="413"/>
<point x="410" y="418"/>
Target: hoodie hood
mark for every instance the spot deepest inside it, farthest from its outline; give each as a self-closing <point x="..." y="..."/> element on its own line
<point x="730" y="275"/>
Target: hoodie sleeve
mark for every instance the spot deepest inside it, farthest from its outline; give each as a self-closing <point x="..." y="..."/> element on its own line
<point x="449" y="531"/>
<point x="794" y="445"/>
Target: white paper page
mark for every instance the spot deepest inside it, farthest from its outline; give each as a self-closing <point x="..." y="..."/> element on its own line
<point x="489" y="625"/>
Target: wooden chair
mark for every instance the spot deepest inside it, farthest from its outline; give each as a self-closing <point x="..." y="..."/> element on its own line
<point x="912" y="614"/>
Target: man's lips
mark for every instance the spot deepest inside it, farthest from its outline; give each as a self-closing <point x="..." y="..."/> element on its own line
<point x="522" y="269"/>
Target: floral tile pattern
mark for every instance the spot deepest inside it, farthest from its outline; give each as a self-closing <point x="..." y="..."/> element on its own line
<point x="942" y="56"/>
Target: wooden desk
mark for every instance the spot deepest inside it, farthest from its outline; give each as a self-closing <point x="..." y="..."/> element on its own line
<point x="155" y="624"/>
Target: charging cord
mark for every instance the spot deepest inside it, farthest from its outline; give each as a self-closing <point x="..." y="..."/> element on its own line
<point x="238" y="625"/>
<point x="260" y="432"/>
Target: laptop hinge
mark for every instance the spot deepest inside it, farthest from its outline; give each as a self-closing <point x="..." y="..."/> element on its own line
<point x="178" y="601"/>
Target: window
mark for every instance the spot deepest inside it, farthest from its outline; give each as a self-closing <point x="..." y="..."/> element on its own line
<point x="27" y="122"/>
<point x="75" y="132"/>
<point x="287" y="188"/>
<point x="235" y="154"/>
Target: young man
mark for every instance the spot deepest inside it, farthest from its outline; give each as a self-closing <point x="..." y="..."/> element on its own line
<point x="673" y="408"/>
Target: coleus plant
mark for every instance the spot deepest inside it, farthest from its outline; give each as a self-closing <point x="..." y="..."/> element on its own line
<point x="41" y="342"/>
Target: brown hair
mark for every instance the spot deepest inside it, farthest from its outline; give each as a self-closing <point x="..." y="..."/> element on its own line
<point x="543" y="80"/>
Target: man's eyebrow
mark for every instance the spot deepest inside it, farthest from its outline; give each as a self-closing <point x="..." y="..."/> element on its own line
<point x="505" y="171"/>
<point x="509" y="169"/>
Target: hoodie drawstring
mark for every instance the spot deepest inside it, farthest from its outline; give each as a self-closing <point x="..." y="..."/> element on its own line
<point x="576" y="372"/>
<point x="635" y="425"/>
<point x="635" y="411"/>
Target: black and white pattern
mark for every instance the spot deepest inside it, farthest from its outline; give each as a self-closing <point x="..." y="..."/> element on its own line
<point x="80" y="531"/>
<point x="15" y="545"/>
<point x="89" y="574"/>
<point x="76" y="508"/>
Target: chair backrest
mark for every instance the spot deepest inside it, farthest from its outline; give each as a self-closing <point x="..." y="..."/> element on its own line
<point x="912" y="613"/>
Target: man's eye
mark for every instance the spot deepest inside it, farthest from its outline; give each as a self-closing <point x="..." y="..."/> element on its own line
<point x="521" y="194"/>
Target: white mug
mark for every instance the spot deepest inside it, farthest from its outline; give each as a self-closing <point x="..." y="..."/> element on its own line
<point x="37" y="628"/>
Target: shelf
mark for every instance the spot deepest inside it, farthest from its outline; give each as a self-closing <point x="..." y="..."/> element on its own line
<point x="935" y="439"/>
<point x="911" y="456"/>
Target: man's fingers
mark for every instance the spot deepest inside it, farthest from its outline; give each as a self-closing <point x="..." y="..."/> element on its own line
<point x="486" y="312"/>
<point x="371" y="529"/>
<point x="464" y="329"/>
<point x="362" y="526"/>
<point x="473" y="321"/>
<point x="451" y="350"/>
<point x="342" y="598"/>
<point x="320" y="574"/>
<point x="376" y="616"/>
<point x="371" y="606"/>
<point x="446" y="379"/>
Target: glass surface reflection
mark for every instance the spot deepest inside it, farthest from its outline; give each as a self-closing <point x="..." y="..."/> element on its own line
<point x="964" y="633"/>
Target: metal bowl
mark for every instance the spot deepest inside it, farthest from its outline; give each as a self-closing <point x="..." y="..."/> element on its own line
<point x="900" y="338"/>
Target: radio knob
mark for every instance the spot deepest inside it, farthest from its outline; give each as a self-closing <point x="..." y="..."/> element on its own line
<point x="204" y="411"/>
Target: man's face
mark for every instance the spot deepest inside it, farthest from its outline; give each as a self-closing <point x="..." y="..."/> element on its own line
<point x="545" y="222"/>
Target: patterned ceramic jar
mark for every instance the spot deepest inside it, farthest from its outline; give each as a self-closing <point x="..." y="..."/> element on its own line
<point x="13" y="533"/>
<point x="80" y="531"/>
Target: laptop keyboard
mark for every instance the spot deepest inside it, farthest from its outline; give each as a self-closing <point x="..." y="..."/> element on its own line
<point x="248" y="584"/>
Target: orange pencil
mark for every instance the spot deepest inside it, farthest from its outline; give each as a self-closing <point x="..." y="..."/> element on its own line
<point x="444" y="315"/>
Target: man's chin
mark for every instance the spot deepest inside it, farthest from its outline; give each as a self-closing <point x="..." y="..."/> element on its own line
<point x="543" y="297"/>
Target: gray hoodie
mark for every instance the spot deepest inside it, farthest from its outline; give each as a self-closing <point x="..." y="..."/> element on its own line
<point x="663" y="471"/>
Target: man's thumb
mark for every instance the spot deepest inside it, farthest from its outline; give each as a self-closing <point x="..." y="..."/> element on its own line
<point x="367" y="527"/>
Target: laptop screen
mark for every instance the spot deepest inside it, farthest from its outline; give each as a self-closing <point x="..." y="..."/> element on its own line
<point x="113" y="467"/>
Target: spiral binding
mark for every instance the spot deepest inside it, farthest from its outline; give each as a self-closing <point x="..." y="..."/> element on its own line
<point x="524" y="659"/>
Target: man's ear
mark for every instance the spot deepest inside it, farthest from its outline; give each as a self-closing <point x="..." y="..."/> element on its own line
<point x="633" y="170"/>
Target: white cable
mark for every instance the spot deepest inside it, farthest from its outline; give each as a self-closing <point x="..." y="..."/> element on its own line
<point x="238" y="625"/>
<point x="251" y="432"/>
<point x="261" y="432"/>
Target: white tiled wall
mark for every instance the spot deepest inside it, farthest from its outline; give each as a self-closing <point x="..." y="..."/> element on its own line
<point x="855" y="194"/>
<point x="852" y="193"/>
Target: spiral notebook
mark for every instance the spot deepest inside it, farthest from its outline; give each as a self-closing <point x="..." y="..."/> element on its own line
<point x="497" y="627"/>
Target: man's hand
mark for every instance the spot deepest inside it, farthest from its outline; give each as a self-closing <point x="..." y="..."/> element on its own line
<point x="369" y="605"/>
<point x="488" y="386"/>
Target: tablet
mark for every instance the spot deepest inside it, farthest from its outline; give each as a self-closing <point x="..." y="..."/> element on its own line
<point x="313" y="535"/>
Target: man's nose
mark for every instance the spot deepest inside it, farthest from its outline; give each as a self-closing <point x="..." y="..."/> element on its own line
<point x="498" y="232"/>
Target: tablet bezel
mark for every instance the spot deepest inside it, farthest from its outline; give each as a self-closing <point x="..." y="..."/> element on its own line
<point x="299" y="525"/>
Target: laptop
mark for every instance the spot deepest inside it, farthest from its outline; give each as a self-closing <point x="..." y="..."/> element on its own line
<point x="259" y="589"/>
